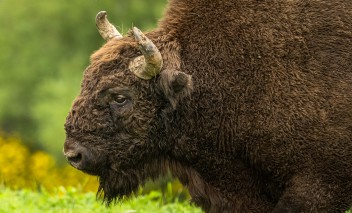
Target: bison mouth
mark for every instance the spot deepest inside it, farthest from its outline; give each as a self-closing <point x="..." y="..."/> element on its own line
<point x="119" y="177"/>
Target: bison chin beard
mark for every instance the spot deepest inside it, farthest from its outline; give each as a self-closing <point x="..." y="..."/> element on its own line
<point x="114" y="187"/>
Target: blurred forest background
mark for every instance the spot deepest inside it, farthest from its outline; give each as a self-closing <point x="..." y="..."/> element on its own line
<point x="45" y="47"/>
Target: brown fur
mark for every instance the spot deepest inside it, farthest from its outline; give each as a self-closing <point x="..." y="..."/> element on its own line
<point x="263" y="125"/>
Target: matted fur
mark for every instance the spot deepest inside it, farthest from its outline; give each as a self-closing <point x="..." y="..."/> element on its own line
<point x="252" y="109"/>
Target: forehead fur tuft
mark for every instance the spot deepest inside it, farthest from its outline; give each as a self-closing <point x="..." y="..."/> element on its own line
<point x="114" y="49"/>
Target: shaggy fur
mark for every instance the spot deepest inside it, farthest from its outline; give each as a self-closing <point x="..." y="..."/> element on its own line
<point x="263" y="125"/>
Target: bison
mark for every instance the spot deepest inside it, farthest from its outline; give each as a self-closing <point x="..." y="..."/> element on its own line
<point x="247" y="102"/>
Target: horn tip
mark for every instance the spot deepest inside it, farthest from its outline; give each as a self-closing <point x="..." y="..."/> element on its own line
<point x="137" y="33"/>
<point x="101" y="15"/>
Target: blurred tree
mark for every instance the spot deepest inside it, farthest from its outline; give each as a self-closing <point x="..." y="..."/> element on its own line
<point x="45" y="46"/>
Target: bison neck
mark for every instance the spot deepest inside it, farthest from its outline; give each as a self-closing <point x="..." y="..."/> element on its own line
<point x="225" y="46"/>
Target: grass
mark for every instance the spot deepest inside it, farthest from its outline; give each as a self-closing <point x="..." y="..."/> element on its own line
<point x="71" y="200"/>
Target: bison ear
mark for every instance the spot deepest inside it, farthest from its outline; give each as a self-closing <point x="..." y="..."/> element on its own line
<point x="175" y="85"/>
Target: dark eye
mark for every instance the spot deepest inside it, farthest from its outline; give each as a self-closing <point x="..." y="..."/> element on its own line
<point x="120" y="100"/>
<point x="115" y="97"/>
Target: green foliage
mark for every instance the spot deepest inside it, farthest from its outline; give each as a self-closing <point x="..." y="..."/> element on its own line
<point x="45" y="46"/>
<point x="71" y="200"/>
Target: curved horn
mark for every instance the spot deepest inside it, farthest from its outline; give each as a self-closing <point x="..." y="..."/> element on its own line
<point x="150" y="63"/>
<point x="105" y="28"/>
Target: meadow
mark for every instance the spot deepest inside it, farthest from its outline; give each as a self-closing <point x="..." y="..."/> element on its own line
<point x="69" y="200"/>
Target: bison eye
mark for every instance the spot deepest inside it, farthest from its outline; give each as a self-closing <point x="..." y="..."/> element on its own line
<point x="120" y="100"/>
<point x="120" y="105"/>
<point x="117" y="98"/>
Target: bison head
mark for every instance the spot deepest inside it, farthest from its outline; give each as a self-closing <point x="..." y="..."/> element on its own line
<point x="116" y="125"/>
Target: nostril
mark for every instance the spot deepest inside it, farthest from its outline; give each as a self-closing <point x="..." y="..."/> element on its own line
<point x="77" y="155"/>
<point x="75" y="158"/>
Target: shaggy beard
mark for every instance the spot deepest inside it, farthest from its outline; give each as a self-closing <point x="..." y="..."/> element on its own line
<point x="115" y="187"/>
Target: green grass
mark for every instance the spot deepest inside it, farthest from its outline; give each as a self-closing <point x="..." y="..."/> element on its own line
<point x="71" y="200"/>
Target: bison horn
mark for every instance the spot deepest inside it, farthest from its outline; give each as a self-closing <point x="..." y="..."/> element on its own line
<point x="105" y="28"/>
<point x="150" y="63"/>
